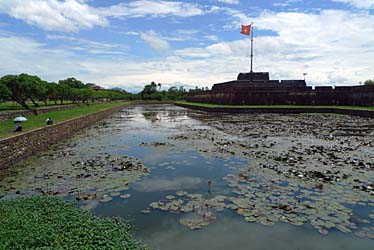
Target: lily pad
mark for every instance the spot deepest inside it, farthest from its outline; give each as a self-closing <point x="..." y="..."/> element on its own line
<point x="125" y="196"/>
<point x="181" y="193"/>
<point x="106" y="199"/>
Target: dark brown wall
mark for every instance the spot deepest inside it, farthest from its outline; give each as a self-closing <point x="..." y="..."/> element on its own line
<point x="349" y="96"/>
<point x="20" y="147"/>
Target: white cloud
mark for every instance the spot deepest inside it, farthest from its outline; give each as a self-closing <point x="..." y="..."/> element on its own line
<point x="237" y="18"/>
<point x="74" y="15"/>
<point x="155" y="40"/>
<point x="68" y="16"/>
<point x="88" y="46"/>
<point x="229" y="1"/>
<point x="366" y="4"/>
<point x="24" y="55"/>
<point x="155" y="8"/>
<point x="212" y="38"/>
<point x="286" y="3"/>
<point x="177" y="36"/>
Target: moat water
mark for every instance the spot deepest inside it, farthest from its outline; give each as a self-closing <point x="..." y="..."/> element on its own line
<point x="147" y="133"/>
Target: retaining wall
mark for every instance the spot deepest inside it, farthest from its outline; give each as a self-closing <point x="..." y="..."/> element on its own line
<point x="16" y="148"/>
<point x="354" y="112"/>
<point x="4" y="116"/>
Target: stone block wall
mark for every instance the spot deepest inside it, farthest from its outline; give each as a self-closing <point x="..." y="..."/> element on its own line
<point x="4" y="116"/>
<point x="21" y="146"/>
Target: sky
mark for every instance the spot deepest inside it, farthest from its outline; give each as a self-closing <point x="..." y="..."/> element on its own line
<point x="128" y="44"/>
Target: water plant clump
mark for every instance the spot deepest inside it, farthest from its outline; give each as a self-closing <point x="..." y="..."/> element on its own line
<point x="260" y="200"/>
<point x="157" y="144"/>
<point x="101" y="177"/>
<point x="43" y="222"/>
<point x="198" y="211"/>
<point x="304" y="170"/>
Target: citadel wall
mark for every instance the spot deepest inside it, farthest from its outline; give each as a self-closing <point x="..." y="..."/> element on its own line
<point x="257" y="95"/>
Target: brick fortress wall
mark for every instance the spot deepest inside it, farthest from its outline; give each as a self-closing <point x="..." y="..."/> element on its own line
<point x="20" y="147"/>
<point x="343" y="96"/>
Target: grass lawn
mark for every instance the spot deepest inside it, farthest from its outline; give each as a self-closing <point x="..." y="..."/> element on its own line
<point x="43" y="222"/>
<point x="209" y="105"/>
<point x="7" y="127"/>
<point x="13" y="106"/>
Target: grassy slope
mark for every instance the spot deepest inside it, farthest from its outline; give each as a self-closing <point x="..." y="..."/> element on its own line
<point x="42" y="222"/>
<point x="209" y="105"/>
<point x="6" y="127"/>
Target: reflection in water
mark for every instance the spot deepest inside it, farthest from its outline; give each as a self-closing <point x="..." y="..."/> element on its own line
<point x="185" y="174"/>
<point x="152" y="116"/>
<point x="157" y="184"/>
<point x="233" y="233"/>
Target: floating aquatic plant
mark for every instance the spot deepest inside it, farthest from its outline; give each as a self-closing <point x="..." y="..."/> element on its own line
<point x="100" y="177"/>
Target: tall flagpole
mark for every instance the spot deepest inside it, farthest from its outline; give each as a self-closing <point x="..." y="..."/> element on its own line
<point x="251" y="47"/>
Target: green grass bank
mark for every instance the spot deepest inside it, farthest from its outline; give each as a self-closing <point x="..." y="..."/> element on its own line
<point x="42" y="222"/>
<point x="34" y="122"/>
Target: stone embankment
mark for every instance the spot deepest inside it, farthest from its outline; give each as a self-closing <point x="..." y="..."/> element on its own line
<point x="342" y="111"/>
<point x="4" y="116"/>
<point x="19" y="147"/>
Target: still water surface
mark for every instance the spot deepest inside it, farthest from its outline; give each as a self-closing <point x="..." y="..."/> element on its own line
<point x="179" y="167"/>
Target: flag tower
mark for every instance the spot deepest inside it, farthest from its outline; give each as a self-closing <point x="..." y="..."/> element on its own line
<point x="251" y="47"/>
<point x="248" y="30"/>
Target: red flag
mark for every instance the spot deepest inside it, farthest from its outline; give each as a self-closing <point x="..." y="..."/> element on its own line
<point x="246" y="30"/>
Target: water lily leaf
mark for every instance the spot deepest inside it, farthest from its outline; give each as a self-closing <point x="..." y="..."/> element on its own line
<point x="125" y="196"/>
<point x="145" y="211"/>
<point x="106" y="199"/>
<point x="323" y="231"/>
<point x="181" y="193"/>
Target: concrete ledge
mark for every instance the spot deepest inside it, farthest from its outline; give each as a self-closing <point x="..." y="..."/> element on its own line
<point x="19" y="147"/>
<point x="343" y="111"/>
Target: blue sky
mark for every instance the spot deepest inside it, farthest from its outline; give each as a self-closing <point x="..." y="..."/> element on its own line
<point x="128" y="44"/>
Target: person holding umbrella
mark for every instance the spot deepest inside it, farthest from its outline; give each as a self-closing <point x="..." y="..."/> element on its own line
<point x="18" y="123"/>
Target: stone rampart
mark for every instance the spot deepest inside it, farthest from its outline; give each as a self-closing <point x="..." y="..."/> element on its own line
<point x="19" y="147"/>
<point x="346" y="96"/>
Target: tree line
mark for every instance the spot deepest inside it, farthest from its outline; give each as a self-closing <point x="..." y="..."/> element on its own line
<point x="153" y="92"/>
<point x="369" y="82"/>
<point x="25" y="88"/>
